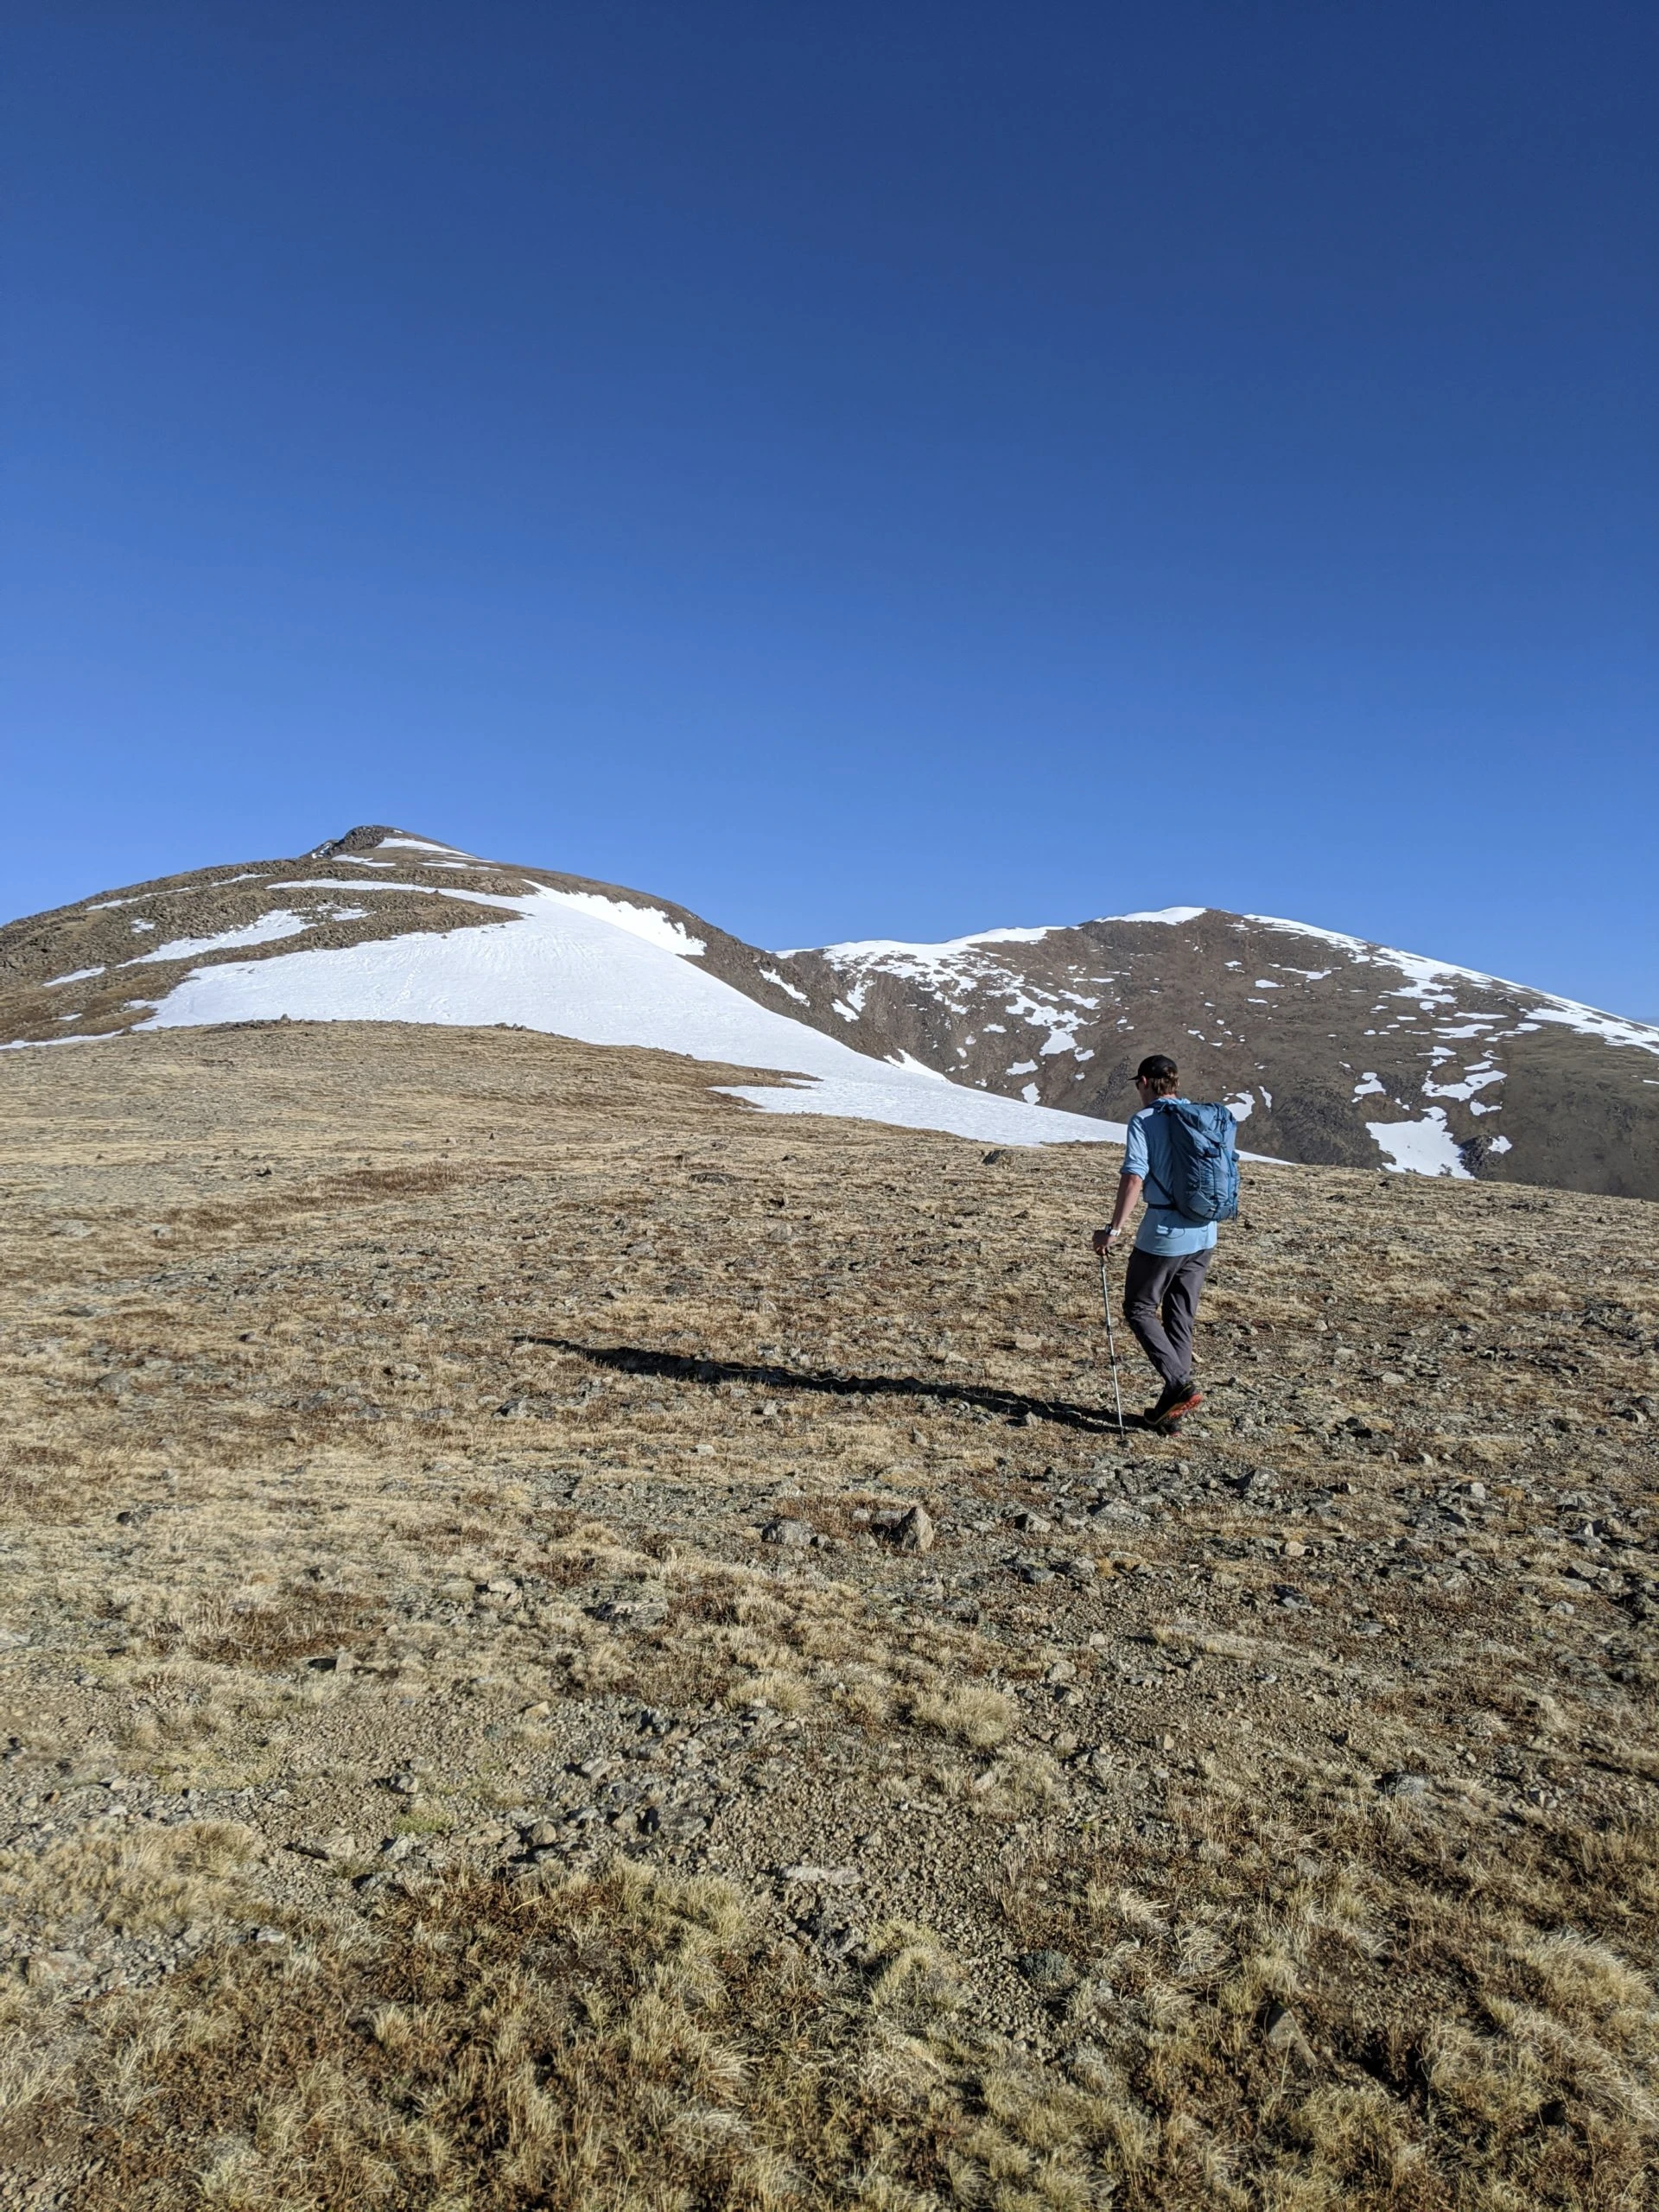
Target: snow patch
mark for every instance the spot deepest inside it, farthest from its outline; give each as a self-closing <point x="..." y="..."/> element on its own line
<point x="1425" y="1147"/>
<point x="1589" y="1022"/>
<point x="941" y="960"/>
<point x="1159" y="914"/>
<point x="266" y="930"/>
<point x="76" y="976"/>
<point x="1474" y="1079"/>
<point x="770" y="976"/>
<point x="1242" y="1107"/>
<point x="648" y="922"/>
<point x="1013" y="936"/>
<point x="1429" y="982"/>
<point x="948" y="1106"/>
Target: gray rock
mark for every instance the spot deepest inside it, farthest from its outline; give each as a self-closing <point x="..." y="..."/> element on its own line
<point x="335" y="1850"/>
<point x="1281" y="2032"/>
<point x="914" y="1531"/>
<point x="786" y="1532"/>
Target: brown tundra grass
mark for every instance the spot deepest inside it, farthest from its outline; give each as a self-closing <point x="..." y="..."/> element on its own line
<point x="470" y="1737"/>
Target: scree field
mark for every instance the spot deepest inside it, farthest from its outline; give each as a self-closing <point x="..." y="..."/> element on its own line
<point x="567" y="1643"/>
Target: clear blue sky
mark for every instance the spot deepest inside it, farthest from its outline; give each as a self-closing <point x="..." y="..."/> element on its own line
<point x="873" y="468"/>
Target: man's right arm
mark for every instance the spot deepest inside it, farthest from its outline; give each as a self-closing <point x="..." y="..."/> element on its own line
<point x="1128" y="1197"/>
<point x="1129" y="1183"/>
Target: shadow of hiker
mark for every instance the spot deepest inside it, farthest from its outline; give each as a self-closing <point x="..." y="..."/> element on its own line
<point x="677" y="1366"/>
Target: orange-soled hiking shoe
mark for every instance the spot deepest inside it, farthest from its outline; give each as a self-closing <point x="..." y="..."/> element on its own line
<point x="1174" y="1406"/>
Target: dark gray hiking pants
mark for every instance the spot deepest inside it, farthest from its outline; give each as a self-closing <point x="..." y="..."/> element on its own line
<point x="1160" y="1304"/>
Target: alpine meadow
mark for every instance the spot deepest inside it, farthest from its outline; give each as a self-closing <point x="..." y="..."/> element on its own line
<point x="572" y="1642"/>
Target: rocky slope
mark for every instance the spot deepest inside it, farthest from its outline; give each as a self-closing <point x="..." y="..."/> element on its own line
<point x="1331" y="1051"/>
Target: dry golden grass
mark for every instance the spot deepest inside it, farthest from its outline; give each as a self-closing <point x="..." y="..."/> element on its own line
<point x="427" y="1786"/>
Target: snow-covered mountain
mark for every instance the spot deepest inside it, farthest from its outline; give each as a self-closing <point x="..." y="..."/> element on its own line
<point x="383" y="926"/>
<point x="1329" y="1049"/>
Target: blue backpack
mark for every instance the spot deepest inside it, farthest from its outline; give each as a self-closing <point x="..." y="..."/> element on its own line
<point x="1204" y="1162"/>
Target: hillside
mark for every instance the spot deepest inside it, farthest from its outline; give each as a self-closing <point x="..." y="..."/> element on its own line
<point x="383" y="926"/>
<point x="1332" y="1051"/>
<point x="568" y="1644"/>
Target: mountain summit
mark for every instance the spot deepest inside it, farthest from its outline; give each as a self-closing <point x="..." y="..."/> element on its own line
<point x="1329" y="1049"/>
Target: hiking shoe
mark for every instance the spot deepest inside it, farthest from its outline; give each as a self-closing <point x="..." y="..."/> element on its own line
<point x="1171" y="1409"/>
<point x="1168" y="1397"/>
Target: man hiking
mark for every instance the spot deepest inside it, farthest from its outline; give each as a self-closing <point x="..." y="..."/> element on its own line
<point x="1181" y="1155"/>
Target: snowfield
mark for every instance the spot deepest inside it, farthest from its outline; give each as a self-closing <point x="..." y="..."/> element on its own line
<point x="566" y="965"/>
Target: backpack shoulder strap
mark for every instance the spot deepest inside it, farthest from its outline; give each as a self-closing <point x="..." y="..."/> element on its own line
<point x="1166" y="1197"/>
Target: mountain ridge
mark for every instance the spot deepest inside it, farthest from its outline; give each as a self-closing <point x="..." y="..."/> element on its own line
<point x="1331" y="1050"/>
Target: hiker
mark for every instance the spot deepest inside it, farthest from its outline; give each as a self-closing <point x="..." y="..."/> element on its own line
<point x="1181" y="1155"/>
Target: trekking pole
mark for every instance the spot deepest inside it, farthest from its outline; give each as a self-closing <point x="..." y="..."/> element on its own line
<point x="1111" y="1343"/>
